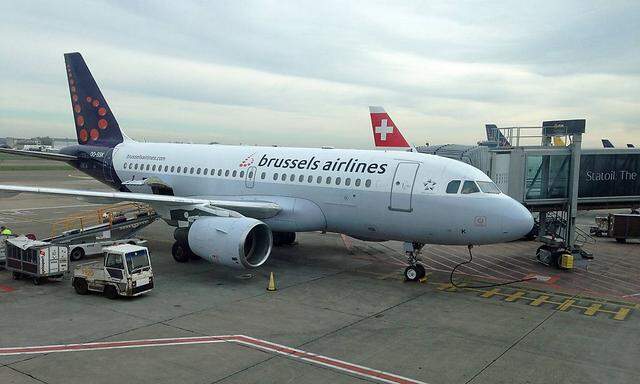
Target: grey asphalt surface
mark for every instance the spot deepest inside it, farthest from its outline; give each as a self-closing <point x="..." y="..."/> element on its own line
<point x="331" y="300"/>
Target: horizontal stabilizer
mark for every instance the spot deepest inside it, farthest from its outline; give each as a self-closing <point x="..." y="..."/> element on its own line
<point x="42" y="155"/>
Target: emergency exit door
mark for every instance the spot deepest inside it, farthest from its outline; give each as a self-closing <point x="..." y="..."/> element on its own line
<point x="402" y="187"/>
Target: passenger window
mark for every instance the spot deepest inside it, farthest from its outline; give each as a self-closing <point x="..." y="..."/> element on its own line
<point x="347" y="181"/>
<point x="338" y="181"/>
<point x="234" y="173"/>
<point x="192" y="169"/>
<point x="242" y="174"/>
<point x="310" y="179"/>
<point x="469" y="187"/>
<point x="173" y="168"/>
<point x="319" y="179"/>
<point x="206" y="171"/>
<point x="367" y="183"/>
<point x="219" y="172"/>
<point x="179" y="168"/>
<point x="292" y="178"/>
<point x="136" y="167"/>
<point x="148" y="166"/>
<point x="275" y="176"/>
<point x="264" y="174"/>
<point x="226" y="173"/>
<point x="328" y="180"/>
<point x="124" y="166"/>
<point x="301" y="178"/>
<point x="166" y="168"/>
<point x="153" y="168"/>
<point x="198" y="171"/>
<point x="453" y="186"/>
<point x="284" y="177"/>
<point x="357" y="182"/>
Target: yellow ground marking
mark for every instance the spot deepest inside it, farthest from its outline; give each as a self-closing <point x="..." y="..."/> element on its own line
<point x="490" y="293"/>
<point x="515" y="296"/>
<point x="541" y="299"/>
<point x="593" y="309"/>
<point x="622" y="314"/>
<point x="566" y="305"/>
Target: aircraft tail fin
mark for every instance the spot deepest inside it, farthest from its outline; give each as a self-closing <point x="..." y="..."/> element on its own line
<point x="607" y="144"/>
<point x="94" y="121"/>
<point x="630" y="146"/>
<point x="494" y="134"/>
<point x="385" y="133"/>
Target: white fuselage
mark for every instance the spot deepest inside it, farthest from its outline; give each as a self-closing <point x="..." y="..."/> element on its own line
<point x="367" y="194"/>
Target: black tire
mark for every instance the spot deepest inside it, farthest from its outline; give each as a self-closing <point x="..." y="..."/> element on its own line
<point x="421" y="271"/>
<point x="77" y="254"/>
<point x="621" y="240"/>
<point x="80" y="285"/>
<point x="290" y="238"/>
<point x="110" y="292"/>
<point x="411" y="273"/>
<point x="16" y="275"/>
<point x="37" y="280"/>
<point x="180" y="252"/>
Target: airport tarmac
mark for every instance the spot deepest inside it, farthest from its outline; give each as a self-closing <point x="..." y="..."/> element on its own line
<point x="341" y="314"/>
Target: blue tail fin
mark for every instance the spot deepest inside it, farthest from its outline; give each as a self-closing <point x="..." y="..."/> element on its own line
<point x="94" y="121"/>
<point x="606" y="143"/>
<point x="630" y="146"/>
<point x="494" y="134"/>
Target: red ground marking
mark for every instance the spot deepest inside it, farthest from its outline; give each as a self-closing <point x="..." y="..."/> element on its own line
<point x="343" y="366"/>
<point x="6" y="288"/>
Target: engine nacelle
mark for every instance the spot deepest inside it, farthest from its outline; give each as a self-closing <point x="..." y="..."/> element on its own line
<point x="239" y="242"/>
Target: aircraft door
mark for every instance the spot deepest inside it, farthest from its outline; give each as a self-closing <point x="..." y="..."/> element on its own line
<point x="402" y="187"/>
<point x="250" y="178"/>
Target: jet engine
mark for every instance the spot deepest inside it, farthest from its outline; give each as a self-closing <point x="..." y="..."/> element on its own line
<point x="239" y="242"/>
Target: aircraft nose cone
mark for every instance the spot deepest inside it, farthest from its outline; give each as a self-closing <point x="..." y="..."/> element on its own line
<point x="517" y="220"/>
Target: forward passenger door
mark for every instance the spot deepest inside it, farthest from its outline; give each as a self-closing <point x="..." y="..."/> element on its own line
<point x="402" y="186"/>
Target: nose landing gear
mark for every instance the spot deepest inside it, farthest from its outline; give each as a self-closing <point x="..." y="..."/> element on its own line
<point x="415" y="271"/>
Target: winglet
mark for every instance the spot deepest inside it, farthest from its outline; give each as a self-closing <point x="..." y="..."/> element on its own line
<point x="607" y="144"/>
<point x="386" y="134"/>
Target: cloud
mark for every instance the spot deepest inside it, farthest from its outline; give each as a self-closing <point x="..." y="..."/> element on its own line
<point x="303" y="73"/>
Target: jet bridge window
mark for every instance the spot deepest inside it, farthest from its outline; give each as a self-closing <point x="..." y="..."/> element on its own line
<point x="488" y="187"/>
<point x="469" y="187"/>
<point x="453" y="186"/>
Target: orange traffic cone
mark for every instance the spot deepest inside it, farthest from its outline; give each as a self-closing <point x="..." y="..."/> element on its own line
<point x="272" y="283"/>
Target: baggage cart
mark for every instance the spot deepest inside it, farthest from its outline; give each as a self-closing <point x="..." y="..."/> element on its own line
<point x="36" y="260"/>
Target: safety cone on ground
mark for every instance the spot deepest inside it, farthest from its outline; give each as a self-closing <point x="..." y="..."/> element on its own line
<point x="272" y="283"/>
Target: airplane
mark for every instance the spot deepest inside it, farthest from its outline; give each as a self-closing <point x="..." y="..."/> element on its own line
<point x="230" y="204"/>
<point x="494" y="135"/>
<point x="607" y="144"/>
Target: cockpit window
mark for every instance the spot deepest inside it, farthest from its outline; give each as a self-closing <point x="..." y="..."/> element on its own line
<point x="469" y="187"/>
<point x="488" y="187"/>
<point x="453" y="186"/>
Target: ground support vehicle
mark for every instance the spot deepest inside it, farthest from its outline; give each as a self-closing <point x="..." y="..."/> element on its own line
<point x="37" y="260"/>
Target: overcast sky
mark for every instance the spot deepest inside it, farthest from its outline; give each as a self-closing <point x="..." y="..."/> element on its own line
<point x="303" y="73"/>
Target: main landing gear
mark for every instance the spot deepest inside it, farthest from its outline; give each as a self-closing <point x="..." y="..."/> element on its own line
<point x="415" y="271"/>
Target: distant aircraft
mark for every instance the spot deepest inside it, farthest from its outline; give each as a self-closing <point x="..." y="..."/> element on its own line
<point x="494" y="134"/>
<point x="607" y="144"/>
<point x="228" y="203"/>
<point x="386" y="134"/>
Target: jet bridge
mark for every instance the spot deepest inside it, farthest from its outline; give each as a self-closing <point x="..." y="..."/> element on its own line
<point x="546" y="169"/>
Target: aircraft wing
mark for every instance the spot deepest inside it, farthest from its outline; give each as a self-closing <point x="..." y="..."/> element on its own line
<point x="43" y="155"/>
<point x="255" y="209"/>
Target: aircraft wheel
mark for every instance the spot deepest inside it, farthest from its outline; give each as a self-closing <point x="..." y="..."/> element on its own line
<point x="80" y="285"/>
<point x="77" y="254"/>
<point x="421" y="271"/>
<point x="180" y="252"/>
<point x="412" y="273"/>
